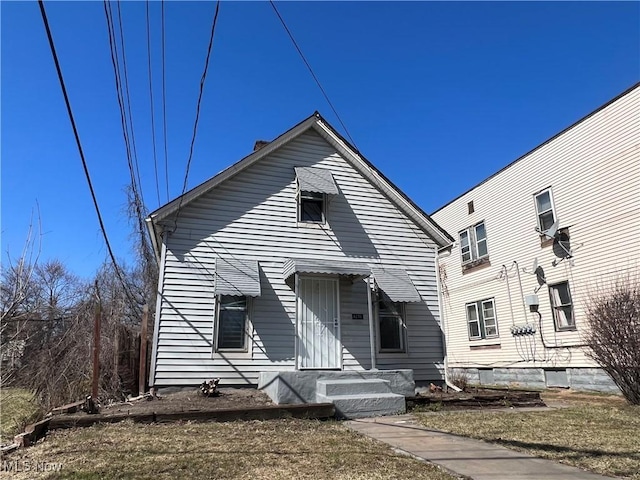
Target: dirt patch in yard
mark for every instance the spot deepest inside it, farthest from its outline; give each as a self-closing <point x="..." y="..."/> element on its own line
<point x="192" y="401"/>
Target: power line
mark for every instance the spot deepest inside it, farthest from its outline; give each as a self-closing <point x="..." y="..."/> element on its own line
<point x="195" y="123"/>
<point x="153" y="123"/>
<point x="164" y="108"/>
<point x="127" y="101"/>
<point x="136" y="205"/>
<point x="121" y="100"/>
<point x="295" y="44"/>
<point x="79" y="145"/>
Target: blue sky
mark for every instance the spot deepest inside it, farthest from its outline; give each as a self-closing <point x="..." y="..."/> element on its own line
<point x="437" y="95"/>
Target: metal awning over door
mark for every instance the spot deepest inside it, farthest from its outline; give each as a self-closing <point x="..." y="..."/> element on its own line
<point x="328" y="267"/>
<point x="237" y="277"/>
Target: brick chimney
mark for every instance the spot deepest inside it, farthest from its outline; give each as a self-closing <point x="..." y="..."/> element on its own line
<point x="259" y="144"/>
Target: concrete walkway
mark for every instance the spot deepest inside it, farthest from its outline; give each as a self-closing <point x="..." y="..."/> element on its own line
<point x="464" y="456"/>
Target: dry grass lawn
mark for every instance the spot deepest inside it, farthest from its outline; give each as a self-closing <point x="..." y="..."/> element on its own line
<point x="277" y="449"/>
<point x="18" y="408"/>
<point x="599" y="433"/>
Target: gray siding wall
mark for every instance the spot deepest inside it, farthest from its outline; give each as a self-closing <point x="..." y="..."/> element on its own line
<point x="253" y="216"/>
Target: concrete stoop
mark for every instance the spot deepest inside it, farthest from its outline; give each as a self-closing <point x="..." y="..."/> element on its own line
<point x="359" y="398"/>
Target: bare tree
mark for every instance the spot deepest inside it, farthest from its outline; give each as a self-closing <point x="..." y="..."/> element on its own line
<point x="613" y="316"/>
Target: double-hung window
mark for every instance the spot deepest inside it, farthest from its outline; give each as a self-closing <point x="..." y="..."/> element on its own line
<point x="315" y="186"/>
<point x="562" y="306"/>
<point x="391" y="326"/>
<point x="481" y="319"/>
<point x="544" y="210"/>
<point x="473" y="243"/>
<point x="311" y="207"/>
<point x="232" y="319"/>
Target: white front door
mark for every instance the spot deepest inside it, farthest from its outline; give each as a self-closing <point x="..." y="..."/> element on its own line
<point x="318" y="324"/>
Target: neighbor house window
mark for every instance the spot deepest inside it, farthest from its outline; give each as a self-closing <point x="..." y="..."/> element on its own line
<point x="562" y="306"/>
<point x="544" y="210"/>
<point x="473" y="243"/>
<point x="311" y="207"/>
<point x="481" y="319"/>
<point x="232" y="323"/>
<point x="391" y="326"/>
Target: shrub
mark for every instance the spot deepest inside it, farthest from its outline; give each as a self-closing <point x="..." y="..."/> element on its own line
<point x="614" y="337"/>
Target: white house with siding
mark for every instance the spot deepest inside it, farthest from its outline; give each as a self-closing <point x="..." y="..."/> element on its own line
<point x="301" y="257"/>
<point x="562" y="222"/>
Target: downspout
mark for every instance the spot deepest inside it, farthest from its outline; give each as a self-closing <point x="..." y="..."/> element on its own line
<point x="296" y="288"/>
<point x="372" y="338"/>
<point x="443" y="323"/>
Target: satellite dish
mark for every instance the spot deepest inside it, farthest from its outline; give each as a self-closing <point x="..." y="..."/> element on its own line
<point x="540" y="276"/>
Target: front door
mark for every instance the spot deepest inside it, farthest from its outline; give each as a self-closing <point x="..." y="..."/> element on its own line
<point x="318" y="324"/>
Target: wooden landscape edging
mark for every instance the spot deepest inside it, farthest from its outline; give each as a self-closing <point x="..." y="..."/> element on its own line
<point x="499" y="399"/>
<point x="309" y="410"/>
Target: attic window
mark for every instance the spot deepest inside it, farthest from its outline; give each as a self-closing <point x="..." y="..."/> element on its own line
<point x="311" y="207"/>
<point x="314" y="187"/>
<point x="470" y="207"/>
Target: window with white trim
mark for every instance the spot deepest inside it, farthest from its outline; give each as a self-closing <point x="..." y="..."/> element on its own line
<point x="232" y="314"/>
<point x="544" y="209"/>
<point x="473" y="243"/>
<point x="391" y="326"/>
<point x="311" y="207"/>
<point x="562" y="306"/>
<point x="481" y="319"/>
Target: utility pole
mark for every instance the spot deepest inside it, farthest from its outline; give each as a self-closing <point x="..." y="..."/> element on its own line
<point x="96" y="347"/>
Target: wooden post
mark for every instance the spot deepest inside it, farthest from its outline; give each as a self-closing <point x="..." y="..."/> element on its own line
<point x="96" y="350"/>
<point x="142" y="376"/>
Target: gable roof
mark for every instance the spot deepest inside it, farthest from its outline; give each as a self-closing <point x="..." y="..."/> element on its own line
<point x="344" y="148"/>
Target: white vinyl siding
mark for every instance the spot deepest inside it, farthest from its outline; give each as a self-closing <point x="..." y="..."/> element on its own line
<point x="593" y="170"/>
<point x="253" y="216"/>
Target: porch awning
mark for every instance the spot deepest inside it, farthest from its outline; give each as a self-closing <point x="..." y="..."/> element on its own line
<point x="335" y="267"/>
<point x="396" y="283"/>
<point x="237" y="277"/>
<point x="319" y="180"/>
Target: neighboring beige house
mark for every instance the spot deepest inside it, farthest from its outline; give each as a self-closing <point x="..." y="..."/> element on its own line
<point x="562" y="222"/>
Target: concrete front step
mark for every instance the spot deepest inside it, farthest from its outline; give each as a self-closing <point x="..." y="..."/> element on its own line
<point x="353" y="386"/>
<point x="365" y="405"/>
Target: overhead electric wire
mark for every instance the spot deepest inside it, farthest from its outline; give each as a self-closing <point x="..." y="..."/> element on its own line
<point x="121" y="103"/>
<point x="164" y="107"/>
<point x="79" y="145"/>
<point x="195" y="123"/>
<point x="127" y="102"/>
<point x="295" y="44"/>
<point x="153" y="123"/>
